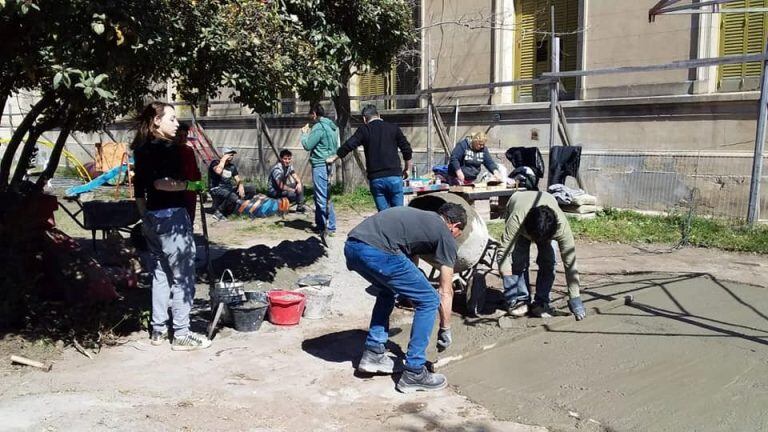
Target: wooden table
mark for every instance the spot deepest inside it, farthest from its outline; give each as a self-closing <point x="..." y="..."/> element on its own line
<point x="480" y="199"/>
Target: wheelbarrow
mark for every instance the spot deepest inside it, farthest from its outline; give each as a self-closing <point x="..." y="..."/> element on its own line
<point x="104" y="216"/>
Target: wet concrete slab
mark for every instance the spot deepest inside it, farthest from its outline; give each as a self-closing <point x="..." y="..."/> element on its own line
<point x="690" y="353"/>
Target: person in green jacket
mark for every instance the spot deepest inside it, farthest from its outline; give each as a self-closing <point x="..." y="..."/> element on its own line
<point x="321" y="141"/>
<point x="535" y="217"/>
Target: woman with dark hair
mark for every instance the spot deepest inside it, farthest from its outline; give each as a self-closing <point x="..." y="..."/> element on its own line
<point x="160" y="189"/>
<point x="321" y="141"/>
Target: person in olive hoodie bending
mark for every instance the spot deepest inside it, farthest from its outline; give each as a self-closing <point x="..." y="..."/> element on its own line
<point x="321" y="141"/>
<point x="381" y="140"/>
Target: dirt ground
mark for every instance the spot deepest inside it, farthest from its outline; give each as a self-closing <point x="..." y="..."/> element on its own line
<point x="302" y="377"/>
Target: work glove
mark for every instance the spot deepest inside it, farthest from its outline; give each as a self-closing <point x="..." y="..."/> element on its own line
<point x="196" y="186"/>
<point x="577" y="308"/>
<point x="444" y="339"/>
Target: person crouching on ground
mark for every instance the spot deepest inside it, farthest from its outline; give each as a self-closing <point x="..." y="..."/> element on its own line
<point x="284" y="182"/>
<point x="535" y="217"/>
<point x="468" y="158"/>
<point x="383" y="249"/>
<point x="159" y="187"/>
<point x="226" y="187"/>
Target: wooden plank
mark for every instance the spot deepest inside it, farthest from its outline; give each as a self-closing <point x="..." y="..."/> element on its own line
<point x="442" y="134"/>
<point x="268" y="136"/>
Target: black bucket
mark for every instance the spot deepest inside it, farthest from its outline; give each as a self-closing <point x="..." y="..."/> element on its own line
<point x="248" y="316"/>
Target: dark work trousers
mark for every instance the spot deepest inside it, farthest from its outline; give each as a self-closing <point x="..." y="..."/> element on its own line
<point x="225" y="200"/>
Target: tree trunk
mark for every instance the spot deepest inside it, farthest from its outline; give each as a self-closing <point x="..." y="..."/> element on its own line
<point x="13" y="145"/>
<point x="3" y="100"/>
<point x="26" y="155"/>
<point x="53" y="162"/>
<point x="29" y="147"/>
<point x="353" y="170"/>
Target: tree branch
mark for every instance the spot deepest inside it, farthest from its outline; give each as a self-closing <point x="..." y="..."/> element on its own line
<point x="13" y="145"/>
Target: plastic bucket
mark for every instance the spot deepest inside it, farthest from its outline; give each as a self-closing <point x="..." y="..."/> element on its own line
<point x="318" y="301"/>
<point x="259" y="296"/>
<point x="227" y="292"/>
<point x="285" y="307"/>
<point x="248" y="316"/>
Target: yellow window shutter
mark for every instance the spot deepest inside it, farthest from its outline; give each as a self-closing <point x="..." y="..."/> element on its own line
<point x="526" y="46"/>
<point x="741" y="34"/>
<point x="372" y="84"/>
<point x="533" y="40"/>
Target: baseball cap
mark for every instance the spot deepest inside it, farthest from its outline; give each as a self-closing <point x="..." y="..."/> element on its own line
<point x="225" y="150"/>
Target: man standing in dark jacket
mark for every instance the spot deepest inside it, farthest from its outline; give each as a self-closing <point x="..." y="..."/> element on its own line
<point x="380" y="141"/>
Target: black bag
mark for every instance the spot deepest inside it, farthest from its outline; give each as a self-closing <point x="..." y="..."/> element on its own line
<point x="563" y="162"/>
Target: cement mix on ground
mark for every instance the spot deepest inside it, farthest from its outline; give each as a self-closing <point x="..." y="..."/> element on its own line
<point x="689" y="354"/>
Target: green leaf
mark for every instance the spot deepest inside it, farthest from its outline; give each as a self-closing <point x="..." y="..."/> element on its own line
<point x="104" y="93"/>
<point x="57" y="80"/>
<point x="99" y="78"/>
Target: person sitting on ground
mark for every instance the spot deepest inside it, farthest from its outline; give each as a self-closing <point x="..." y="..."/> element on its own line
<point x="225" y="185"/>
<point x="384" y="250"/>
<point x="284" y="182"/>
<point x="468" y="158"/>
<point x="535" y="217"/>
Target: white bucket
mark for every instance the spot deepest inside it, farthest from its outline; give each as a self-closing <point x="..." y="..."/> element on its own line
<point x="318" y="301"/>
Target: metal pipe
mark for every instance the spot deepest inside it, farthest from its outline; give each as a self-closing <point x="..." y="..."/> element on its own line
<point x="753" y="210"/>
<point x="554" y="94"/>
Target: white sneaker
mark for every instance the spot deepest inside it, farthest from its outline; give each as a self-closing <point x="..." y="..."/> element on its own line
<point x="190" y="342"/>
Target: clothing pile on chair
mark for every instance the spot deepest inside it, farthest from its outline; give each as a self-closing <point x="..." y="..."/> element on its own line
<point x="574" y="201"/>
<point x="528" y="166"/>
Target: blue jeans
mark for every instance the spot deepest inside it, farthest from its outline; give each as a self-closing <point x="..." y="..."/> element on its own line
<point x="172" y="265"/>
<point x="395" y="275"/>
<point x="545" y="277"/>
<point x="387" y="192"/>
<point x="320" y="175"/>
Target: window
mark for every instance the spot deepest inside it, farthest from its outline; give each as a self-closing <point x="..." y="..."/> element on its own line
<point x="742" y="33"/>
<point x="402" y="79"/>
<point x="533" y="25"/>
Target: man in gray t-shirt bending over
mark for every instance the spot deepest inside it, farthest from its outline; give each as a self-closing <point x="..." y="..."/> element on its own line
<point x="383" y="250"/>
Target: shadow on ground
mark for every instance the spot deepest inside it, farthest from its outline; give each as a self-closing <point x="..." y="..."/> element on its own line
<point x="345" y="346"/>
<point x="261" y="262"/>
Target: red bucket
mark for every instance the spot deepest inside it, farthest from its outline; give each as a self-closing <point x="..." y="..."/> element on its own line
<point x="285" y="307"/>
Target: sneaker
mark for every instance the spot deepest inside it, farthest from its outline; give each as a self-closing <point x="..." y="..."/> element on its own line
<point x="219" y="216"/>
<point x="190" y="342"/>
<point x="331" y="233"/>
<point x="158" y="338"/>
<point x="425" y="380"/>
<point x="544" y="310"/>
<point x="372" y="362"/>
<point x="518" y="309"/>
<point x="301" y="209"/>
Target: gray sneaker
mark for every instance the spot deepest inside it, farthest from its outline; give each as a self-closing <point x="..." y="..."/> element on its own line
<point x="190" y="342"/>
<point x="158" y="338"/>
<point x="425" y="380"/>
<point x="544" y="310"/>
<point x="372" y="362"/>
